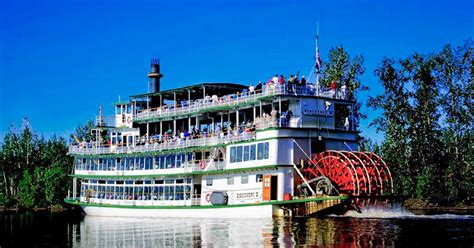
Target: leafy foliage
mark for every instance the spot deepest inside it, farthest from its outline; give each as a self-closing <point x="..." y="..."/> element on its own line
<point x="427" y="120"/>
<point x="34" y="170"/>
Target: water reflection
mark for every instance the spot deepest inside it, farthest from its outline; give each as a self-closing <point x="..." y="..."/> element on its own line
<point x="43" y="229"/>
<point x="135" y="232"/>
<point x="128" y="232"/>
<point x="345" y="232"/>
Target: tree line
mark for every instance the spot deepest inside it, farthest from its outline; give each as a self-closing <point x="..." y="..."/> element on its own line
<point x="427" y="117"/>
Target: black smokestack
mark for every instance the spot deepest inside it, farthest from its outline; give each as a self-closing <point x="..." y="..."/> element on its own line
<point x="155" y="75"/>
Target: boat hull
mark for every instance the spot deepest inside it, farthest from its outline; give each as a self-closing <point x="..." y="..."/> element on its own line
<point x="260" y="211"/>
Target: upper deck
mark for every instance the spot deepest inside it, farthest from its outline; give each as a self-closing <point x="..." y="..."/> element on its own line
<point x="226" y="102"/>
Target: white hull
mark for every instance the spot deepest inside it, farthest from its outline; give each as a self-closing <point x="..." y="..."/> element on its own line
<point x="262" y="211"/>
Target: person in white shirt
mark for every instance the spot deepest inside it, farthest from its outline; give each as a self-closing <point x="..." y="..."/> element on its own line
<point x="343" y="91"/>
<point x="275" y="79"/>
<point x="346" y="123"/>
<point x="251" y="89"/>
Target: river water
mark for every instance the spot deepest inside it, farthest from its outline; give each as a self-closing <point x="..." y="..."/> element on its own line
<point x="372" y="228"/>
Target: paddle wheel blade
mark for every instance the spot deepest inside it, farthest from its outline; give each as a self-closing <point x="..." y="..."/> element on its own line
<point x="359" y="174"/>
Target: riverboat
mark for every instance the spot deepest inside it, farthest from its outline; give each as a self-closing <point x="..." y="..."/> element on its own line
<point x="224" y="150"/>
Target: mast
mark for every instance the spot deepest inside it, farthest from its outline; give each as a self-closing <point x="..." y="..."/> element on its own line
<point x="318" y="60"/>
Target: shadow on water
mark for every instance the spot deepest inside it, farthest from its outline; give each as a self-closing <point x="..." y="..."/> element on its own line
<point x="372" y="228"/>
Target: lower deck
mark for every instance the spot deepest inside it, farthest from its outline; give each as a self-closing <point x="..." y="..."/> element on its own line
<point x="192" y="190"/>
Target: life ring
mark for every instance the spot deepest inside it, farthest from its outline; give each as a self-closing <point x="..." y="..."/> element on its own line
<point x="202" y="164"/>
<point x="208" y="197"/>
<point x="129" y="120"/>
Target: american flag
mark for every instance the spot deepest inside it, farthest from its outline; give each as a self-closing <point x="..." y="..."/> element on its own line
<point x="318" y="62"/>
<point x="318" y="57"/>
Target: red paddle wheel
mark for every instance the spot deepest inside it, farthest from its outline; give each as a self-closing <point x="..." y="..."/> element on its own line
<point x="352" y="173"/>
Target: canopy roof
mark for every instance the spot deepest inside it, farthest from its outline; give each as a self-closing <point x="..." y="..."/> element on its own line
<point x="197" y="91"/>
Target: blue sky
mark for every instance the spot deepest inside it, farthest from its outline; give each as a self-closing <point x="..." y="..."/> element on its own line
<point x="59" y="60"/>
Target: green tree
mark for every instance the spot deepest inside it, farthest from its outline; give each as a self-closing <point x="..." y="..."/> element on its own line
<point x="394" y="122"/>
<point x="455" y="69"/>
<point x="425" y="132"/>
<point x="27" y="190"/>
<point x="427" y="118"/>
<point x="84" y="132"/>
<point x="342" y="69"/>
<point x="34" y="170"/>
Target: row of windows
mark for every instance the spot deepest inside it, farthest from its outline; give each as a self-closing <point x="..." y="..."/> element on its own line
<point x="249" y="152"/>
<point x="135" y="163"/>
<point x="137" y="182"/>
<point x="137" y="192"/>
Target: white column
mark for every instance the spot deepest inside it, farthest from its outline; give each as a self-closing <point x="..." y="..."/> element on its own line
<point x="280" y="185"/>
<point x="279" y="110"/>
<point x="197" y="123"/>
<point x="237" y="118"/>
<point x="175" y="102"/>
<point x="174" y="127"/>
<point x="74" y="187"/>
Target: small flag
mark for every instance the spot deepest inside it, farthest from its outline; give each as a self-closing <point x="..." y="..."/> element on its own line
<point x="318" y="61"/>
<point x="318" y="57"/>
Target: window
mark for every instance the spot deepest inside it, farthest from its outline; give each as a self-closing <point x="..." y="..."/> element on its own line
<point x="209" y="182"/>
<point x="232" y="154"/>
<point x="246" y="153"/>
<point x="253" y="152"/>
<point x="260" y="151"/>
<point x="244" y="179"/>
<point x="230" y="181"/>
<point x="239" y="154"/>
<point x="266" y="151"/>
<point x="259" y="178"/>
<point x="148" y="163"/>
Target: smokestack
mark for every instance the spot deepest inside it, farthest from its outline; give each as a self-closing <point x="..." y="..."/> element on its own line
<point x="155" y="75"/>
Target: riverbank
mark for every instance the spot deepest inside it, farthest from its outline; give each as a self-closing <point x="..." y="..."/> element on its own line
<point x="53" y="209"/>
<point x="418" y="206"/>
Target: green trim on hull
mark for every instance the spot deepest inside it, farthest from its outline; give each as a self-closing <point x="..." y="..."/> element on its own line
<point x="317" y="199"/>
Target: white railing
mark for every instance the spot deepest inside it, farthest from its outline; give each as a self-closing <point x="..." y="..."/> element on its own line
<point x="233" y="100"/>
<point x="188" y="167"/>
<point x="167" y="145"/>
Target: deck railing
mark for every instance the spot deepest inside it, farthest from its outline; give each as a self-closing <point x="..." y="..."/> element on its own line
<point x="231" y="101"/>
<point x="167" y="145"/>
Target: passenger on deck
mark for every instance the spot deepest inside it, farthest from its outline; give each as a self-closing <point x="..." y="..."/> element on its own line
<point x="275" y="79"/>
<point x="289" y="114"/>
<point x="303" y="81"/>
<point x="291" y="83"/>
<point x="343" y="91"/>
<point x="251" y="89"/>
<point x="333" y="88"/>
<point x="258" y="88"/>
<point x="346" y="123"/>
<point x="281" y="80"/>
